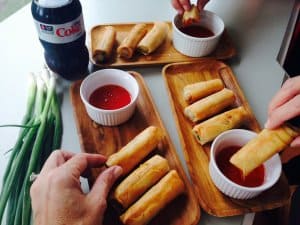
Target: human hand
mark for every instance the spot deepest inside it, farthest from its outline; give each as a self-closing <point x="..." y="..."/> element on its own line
<point x="56" y="194"/>
<point x="183" y="5"/>
<point x="285" y="105"/>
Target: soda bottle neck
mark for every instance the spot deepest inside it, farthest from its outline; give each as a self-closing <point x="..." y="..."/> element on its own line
<point x="52" y="3"/>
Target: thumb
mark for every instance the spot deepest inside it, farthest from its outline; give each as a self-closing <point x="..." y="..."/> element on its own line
<point x="103" y="184"/>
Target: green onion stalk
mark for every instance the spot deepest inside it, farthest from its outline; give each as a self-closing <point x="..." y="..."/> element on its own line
<point x="40" y="133"/>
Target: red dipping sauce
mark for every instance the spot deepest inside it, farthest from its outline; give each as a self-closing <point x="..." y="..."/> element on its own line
<point x="254" y="179"/>
<point x="110" y="97"/>
<point x="197" y="31"/>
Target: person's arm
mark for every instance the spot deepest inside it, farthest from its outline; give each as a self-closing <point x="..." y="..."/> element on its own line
<point x="285" y="105"/>
<point x="185" y="5"/>
<point x="56" y="194"/>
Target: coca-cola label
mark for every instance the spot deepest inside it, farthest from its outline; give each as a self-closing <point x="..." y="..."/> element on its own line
<point x="61" y="33"/>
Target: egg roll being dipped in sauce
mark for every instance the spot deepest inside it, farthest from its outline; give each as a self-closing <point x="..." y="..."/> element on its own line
<point x="266" y="144"/>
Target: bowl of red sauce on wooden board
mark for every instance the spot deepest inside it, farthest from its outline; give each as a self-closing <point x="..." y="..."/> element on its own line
<point x="197" y="39"/>
<point x="228" y="178"/>
<point x="109" y="96"/>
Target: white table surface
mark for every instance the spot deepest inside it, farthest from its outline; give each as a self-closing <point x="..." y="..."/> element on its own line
<point x="256" y="27"/>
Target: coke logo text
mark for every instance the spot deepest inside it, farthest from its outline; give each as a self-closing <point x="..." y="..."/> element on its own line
<point x="68" y="31"/>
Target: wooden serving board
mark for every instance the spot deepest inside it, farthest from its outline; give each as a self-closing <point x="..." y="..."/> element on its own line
<point x="104" y="140"/>
<point x="166" y="53"/>
<point x="178" y="75"/>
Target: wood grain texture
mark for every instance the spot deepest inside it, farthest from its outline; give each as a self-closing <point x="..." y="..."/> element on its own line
<point x="166" y="53"/>
<point x="178" y="75"/>
<point x="98" y="139"/>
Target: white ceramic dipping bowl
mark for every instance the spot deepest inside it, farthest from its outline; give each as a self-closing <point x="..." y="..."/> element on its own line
<point x="109" y="77"/>
<point x="195" y="46"/>
<point x="239" y="137"/>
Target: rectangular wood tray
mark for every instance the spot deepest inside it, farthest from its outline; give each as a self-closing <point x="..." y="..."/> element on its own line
<point x="176" y="76"/>
<point x="95" y="138"/>
<point x="166" y="53"/>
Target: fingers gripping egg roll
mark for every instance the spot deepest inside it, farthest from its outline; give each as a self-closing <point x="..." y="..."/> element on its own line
<point x="129" y="44"/>
<point x="104" y="44"/>
<point x="206" y="131"/>
<point x="191" y="16"/>
<point x="155" y="199"/>
<point x="266" y="144"/>
<point x="154" y="38"/>
<point x="137" y="149"/>
<point x="140" y="180"/>
<point x="195" y="91"/>
<point x="209" y="105"/>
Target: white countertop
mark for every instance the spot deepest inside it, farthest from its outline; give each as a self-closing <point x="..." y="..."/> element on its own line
<point x="256" y="27"/>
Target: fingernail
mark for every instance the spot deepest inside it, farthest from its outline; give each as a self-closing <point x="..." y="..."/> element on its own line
<point x="118" y="171"/>
<point x="267" y="124"/>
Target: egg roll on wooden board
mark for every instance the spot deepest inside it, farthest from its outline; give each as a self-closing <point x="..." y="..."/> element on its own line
<point x="98" y="139"/>
<point x="176" y="77"/>
<point x="195" y="91"/>
<point x="137" y="149"/>
<point x="209" y="129"/>
<point x="210" y="105"/>
<point x="128" y="46"/>
<point x="266" y="144"/>
<point x="103" y="45"/>
<point x="140" y="180"/>
<point x="154" y="200"/>
<point x="154" y="38"/>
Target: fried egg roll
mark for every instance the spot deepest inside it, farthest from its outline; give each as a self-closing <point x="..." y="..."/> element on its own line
<point x="209" y="105"/>
<point x="103" y="45"/>
<point x="140" y="180"/>
<point x="191" y="16"/>
<point x="196" y="91"/>
<point x="136" y="150"/>
<point x="154" y="200"/>
<point x="154" y="38"/>
<point x="209" y="129"/>
<point x="129" y="44"/>
<point x="266" y="144"/>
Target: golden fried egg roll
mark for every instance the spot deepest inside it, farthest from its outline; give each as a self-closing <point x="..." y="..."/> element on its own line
<point x="140" y="180"/>
<point x="196" y="91"/>
<point x="209" y="105"/>
<point x="136" y="150"/>
<point x="209" y="129"/>
<point x="258" y="150"/>
<point x="129" y="44"/>
<point x="154" y="38"/>
<point x="154" y="200"/>
<point x="103" y="46"/>
<point x="191" y="16"/>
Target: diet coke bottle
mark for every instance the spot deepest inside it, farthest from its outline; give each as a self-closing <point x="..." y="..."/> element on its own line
<point x="61" y="31"/>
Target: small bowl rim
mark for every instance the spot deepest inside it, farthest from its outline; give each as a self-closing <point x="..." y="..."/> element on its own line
<point x="200" y="38"/>
<point x="95" y="73"/>
<point x="262" y="187"/>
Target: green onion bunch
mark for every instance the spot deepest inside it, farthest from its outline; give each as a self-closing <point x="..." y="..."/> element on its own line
<point x="40" y="134"/>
